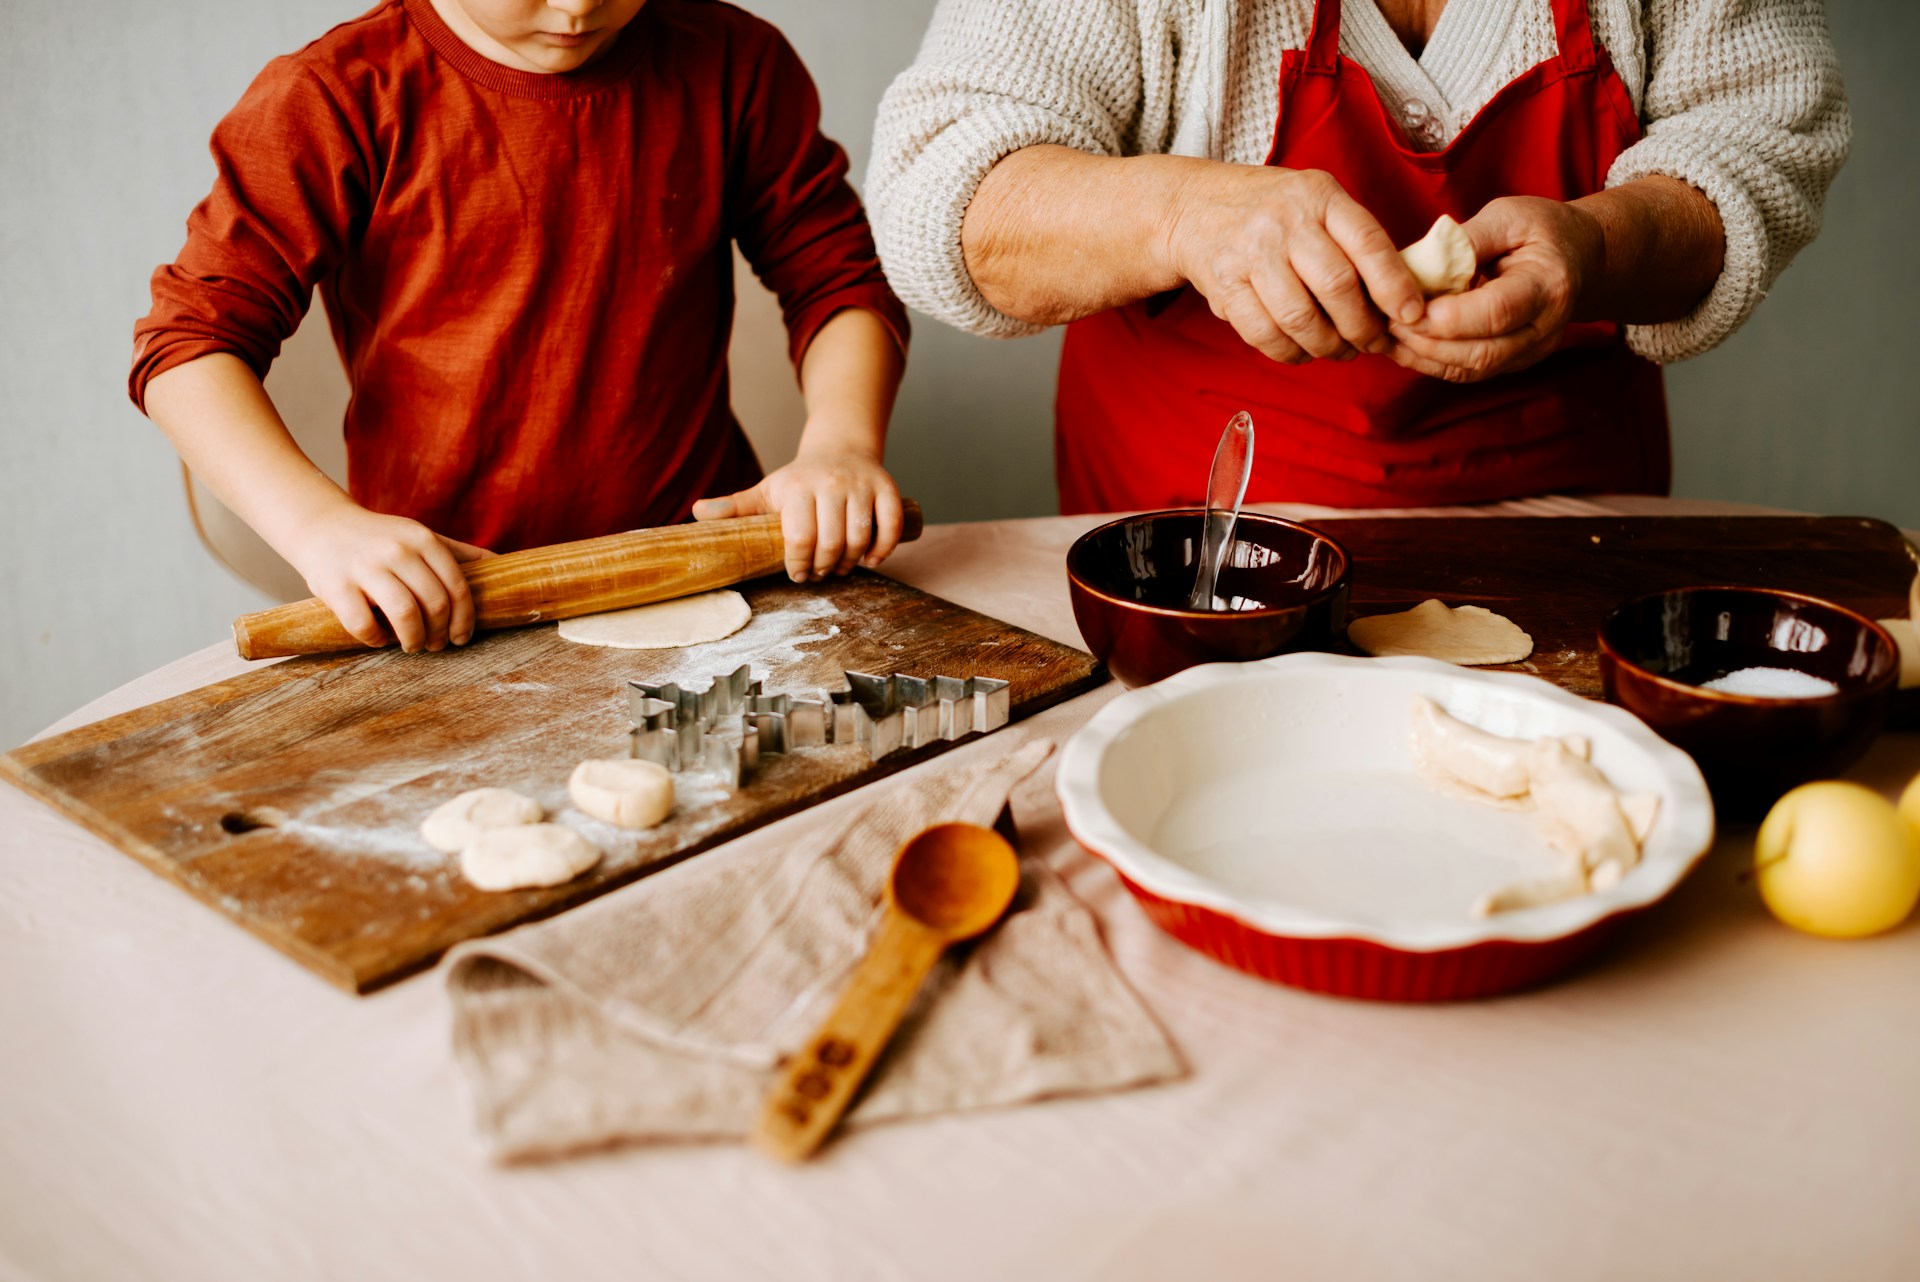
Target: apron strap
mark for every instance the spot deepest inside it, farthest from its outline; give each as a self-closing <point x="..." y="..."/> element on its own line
<point x="1577" y="44"/>
<point x="1323" y="42"/>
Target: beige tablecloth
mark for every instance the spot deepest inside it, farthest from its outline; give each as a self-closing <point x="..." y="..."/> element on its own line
<point x="1720" y="1098"/>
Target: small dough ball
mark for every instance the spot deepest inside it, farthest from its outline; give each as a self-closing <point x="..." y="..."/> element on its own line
<point x="1442" y="260"/>
<point x="527" y="855"/>
<point x="1466" y="634"/>
<point x="453" y="826"/>
<point x="632" y="794"/>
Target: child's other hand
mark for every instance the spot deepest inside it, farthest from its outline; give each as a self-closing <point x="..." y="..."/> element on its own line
<point x="359" y="561"/>
<point x="836" y="509"/>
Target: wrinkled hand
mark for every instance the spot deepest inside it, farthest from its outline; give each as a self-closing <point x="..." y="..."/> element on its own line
<point x="1298" y="267"/>
<point x="358" y="562"/>
<point x="1539" y="256"/>
<point x="836" y="509"/>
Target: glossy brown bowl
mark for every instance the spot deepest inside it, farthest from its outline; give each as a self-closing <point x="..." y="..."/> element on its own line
<point x="1657" y="650"/>
<point x="1130" y="579"/>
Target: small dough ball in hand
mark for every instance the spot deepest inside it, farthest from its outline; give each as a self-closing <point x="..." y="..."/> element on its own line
<point x="1442" y="260"/>
<point x="527" y="855"/>
<point x="631" y="794"/>
<point x="453" y="826"/>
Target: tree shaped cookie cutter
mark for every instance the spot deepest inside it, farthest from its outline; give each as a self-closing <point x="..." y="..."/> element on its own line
<point x="725" y="729"/>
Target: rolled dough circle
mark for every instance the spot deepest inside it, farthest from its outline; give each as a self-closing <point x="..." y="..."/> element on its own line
<point x="1466" y="634"/>
<point x="527" y="855"/>
<point x="1442" y="260"/>
<point x="631" y="794"/>
<point x="690" y="620"/>
<point x="454" y="824"/>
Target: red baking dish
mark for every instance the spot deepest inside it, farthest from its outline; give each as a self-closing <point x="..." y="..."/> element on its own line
<point x="1267" y="814"/>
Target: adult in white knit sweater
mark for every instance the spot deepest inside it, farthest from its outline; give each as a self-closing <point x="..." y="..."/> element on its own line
<point x="1632" y="175"/>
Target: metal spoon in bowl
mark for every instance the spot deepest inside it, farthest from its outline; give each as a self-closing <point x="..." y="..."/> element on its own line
<point x="1226" y="487"/>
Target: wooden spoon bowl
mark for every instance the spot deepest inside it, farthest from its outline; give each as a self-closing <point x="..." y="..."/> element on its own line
<point x="955" y="879"/>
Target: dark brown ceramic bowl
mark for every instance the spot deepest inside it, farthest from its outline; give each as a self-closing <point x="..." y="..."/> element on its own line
<point x="1656" y="650"/>
<point x="1129" y="580"/>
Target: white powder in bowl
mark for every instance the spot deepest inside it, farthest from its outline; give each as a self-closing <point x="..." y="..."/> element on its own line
<point x="1772" y="683"/>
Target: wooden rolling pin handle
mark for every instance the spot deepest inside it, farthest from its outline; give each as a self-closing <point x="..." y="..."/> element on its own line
<point x="566" y="579"/>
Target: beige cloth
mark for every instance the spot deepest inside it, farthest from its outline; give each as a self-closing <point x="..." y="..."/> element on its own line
<point x="660" y="1012"/>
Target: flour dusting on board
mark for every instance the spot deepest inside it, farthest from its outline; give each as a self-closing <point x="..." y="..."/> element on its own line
<point x="770" y="641"/>
<point x="392" y="843"/>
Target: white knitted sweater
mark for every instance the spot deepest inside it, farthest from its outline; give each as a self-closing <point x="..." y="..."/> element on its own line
<point x="1740" y="98"/>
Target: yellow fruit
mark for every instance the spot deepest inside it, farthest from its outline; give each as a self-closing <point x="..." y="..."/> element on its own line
<point x="1910" y="806"/>
<point x="1837" y="859"/>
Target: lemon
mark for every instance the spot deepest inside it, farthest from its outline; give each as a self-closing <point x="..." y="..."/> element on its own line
<point x="1837" y="859"/>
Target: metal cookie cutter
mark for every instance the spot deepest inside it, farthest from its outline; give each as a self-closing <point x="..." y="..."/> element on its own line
<point x="725" y="729"/>
<point x="899" y="712"/>
<point x="715" y="730"/>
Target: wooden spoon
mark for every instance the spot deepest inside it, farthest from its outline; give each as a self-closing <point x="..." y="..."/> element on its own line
<point x="949" y="883"/>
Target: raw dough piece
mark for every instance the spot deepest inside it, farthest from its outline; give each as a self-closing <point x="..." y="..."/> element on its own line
<point x="527" y="855"/>
<point x="454" y="825"/>
<point x="1596" y="831"/>
<point x="1465" y="635"/>
<point x="690" y="620"/>
<point x="1452" y="753"/>
<point x="1580" y="814"/>
<point x="1442" y="260"/>
<point x="1531" y="894"/>
<point x="631" y="794"/>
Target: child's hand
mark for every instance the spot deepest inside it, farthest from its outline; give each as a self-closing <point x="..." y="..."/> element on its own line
<point x="836" y="509"/>
<point x="359" y="561"/>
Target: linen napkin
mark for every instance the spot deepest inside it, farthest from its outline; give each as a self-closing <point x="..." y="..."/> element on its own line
<point x="662" y="1011"/>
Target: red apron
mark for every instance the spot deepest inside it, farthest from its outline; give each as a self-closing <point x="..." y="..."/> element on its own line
<point x="1146" y="388"/>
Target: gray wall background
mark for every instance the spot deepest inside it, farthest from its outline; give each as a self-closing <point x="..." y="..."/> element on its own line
<point x="103" y="130"/>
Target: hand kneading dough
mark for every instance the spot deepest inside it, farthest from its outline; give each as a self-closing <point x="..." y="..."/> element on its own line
<point x="689" y="620"/>
<point x="632" y="794"/>
<point x="455" y="824"/>
<point x="1442" y="260"/>
<point x="1465" y="635"/>
<point x="529" y="855"/>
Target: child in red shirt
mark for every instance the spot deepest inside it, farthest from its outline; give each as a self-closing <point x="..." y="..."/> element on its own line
<point x="520" y="215"/>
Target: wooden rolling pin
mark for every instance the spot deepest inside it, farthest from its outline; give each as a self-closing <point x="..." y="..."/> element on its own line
<point x="565" y="579"/>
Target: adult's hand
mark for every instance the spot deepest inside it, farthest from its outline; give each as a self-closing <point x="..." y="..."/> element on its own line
<point x="1297" y="266"/>
<point x="1541" y="257"/>
<point x="1640" y="253"/>
<point x="1286" y="257"/>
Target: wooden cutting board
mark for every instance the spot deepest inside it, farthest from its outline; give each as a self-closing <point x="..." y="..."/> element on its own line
<point x="1558" y="577"/>
<point x="290" y="798"/>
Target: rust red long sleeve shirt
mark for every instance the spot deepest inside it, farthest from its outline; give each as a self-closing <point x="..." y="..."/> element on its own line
<point x="529" y="277"/>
